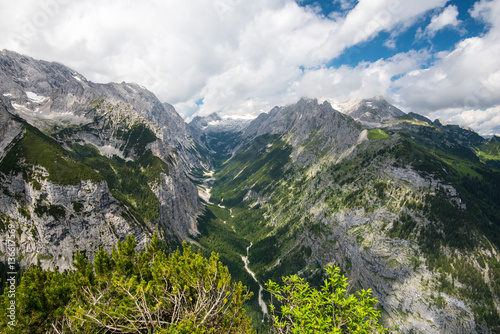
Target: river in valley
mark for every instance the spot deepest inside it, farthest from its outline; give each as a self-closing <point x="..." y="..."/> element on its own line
<point x="262" y="304"/>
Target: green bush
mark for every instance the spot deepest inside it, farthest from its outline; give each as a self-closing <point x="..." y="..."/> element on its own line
<point x="328" y="310"/>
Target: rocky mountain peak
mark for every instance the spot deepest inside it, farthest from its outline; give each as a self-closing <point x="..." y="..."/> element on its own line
<point x="203" y="122"/>
<point x="213" y="123"/>
<point x="420" y="118"/>
<point x="495" y="138"/>
<point x="315" y="127"/>
<point x="51" y="96"/>
<point x="372" y="112"/>
<point x="36" y="76"/>
<point x="302" y="116"/>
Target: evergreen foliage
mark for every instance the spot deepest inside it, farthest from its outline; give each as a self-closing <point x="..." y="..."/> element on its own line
<point x="132" y="292"/>
<point x="220" y="238"/>
<point x="136" y="138"/>
<point x="259" y="165"/>
<point x="182" y="292"/>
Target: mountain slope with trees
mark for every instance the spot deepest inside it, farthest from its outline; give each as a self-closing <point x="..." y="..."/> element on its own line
<point x="406" y="208"/>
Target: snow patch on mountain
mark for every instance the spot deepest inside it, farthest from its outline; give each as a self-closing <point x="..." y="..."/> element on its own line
<point x="36" y="98"/>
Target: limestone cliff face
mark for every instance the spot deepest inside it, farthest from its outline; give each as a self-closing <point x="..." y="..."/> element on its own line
<point x="316" y="131"/>
<point x="51" y="96"/>
<point x="55" y="221"/>
<point x="9" y="129"/>
<point x="122" y="122"/>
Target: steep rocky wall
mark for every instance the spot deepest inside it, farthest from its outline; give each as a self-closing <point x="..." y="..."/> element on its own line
<point x="54" y="221"/>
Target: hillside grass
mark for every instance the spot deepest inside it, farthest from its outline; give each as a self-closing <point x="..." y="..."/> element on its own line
<point x="259" y="165"/>
<point x="377" y="134"/>
<point x="37" y="149"/>
<point x="488" y="151"/>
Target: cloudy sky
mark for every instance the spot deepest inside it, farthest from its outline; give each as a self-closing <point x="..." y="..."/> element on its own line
<point x="435" y="57"/>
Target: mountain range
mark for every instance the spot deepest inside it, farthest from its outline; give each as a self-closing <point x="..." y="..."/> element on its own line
<point x="406" y="206"/>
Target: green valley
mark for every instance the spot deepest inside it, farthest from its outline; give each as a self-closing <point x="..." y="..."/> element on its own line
<point x="422" y="213"/>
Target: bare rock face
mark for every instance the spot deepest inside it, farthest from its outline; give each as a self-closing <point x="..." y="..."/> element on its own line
<point x="213" y="123"/>
<point x="55" y="221"/>
<point x="393" y="268"/>
<point x="315" y="130"/>
<point x="9" y="129"/>
<point x="373" y="112"/>
<point x="122" y="122"/>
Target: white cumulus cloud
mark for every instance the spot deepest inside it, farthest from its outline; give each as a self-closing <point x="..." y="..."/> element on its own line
<point x="446" y="19"/>
<point x="363" y="81"/>
<point x="466" y="78"/>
